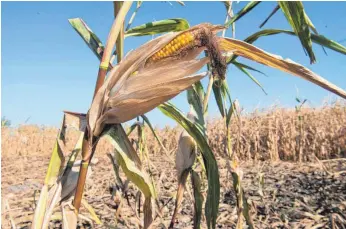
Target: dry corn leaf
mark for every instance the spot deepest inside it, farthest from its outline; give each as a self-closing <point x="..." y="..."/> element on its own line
<point x="69" y="217"/>
<point x="132" y="171"/>
<point x="251" y="52"/>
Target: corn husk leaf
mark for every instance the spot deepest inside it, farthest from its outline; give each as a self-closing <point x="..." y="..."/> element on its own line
<point x="196" y="131"/>
<point x="196" y="184"/>
<point x="145" y="97"/>
<point x="118" y="75"/>
<point x="88" y="36"/>
<point x="296" y="17"/>
<point x="242" y="12"/>
<point x="157" y="27"/>
<point x="251" y="52"/>
<point x="185" y="156"/>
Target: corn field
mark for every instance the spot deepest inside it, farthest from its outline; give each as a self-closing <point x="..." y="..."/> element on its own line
<point x="25" y="157"/>
<point x="228" y="173"/>
<point x="267" y="135"/>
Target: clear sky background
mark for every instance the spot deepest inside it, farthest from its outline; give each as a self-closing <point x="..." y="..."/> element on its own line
<point x="46" y="67"/>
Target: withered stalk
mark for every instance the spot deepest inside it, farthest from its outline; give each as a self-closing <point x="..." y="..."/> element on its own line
<point x="89" y="145"/>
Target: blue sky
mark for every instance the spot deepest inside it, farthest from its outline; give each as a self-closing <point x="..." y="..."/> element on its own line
<point x="47" y="68"/>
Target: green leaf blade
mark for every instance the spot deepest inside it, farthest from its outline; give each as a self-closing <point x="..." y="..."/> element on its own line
<point x="295" y="15"/>
<point x="196" y="131"/>
<point x="250" y="6"/>
<point x="157" y="27"/>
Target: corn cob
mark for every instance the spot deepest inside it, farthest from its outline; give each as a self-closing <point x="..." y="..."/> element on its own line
<point x="201" y="36"/>
<point x="182" y="42"/>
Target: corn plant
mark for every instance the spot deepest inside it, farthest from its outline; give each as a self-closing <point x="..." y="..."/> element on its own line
<point x="148" y="77"/>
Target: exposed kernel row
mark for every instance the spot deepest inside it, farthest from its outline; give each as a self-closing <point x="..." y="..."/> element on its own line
<point x="174" y="46"/>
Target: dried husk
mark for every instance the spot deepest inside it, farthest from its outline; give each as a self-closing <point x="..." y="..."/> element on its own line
<point x="159" y="76"/>
<point x="186" y="155"/>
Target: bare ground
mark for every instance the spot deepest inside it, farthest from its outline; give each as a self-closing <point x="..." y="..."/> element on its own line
<point x="307" y="195"/>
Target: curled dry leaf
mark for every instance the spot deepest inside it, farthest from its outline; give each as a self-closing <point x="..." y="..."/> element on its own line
<point x="251" y="52"/>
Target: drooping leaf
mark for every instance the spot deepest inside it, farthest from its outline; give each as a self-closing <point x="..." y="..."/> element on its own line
<point x="295" y="15"/>
<point x="242" y="12"/>
<point x="247" y="67"/>
<point x="318" y="39"/>
<point x="253" y="53"/>
<point x="123" y="150"/>
<point x="157" y="27"/>
<point x="196" y="131"/>
<point x="129" y="166"/>
<point x="250" y="76"/>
